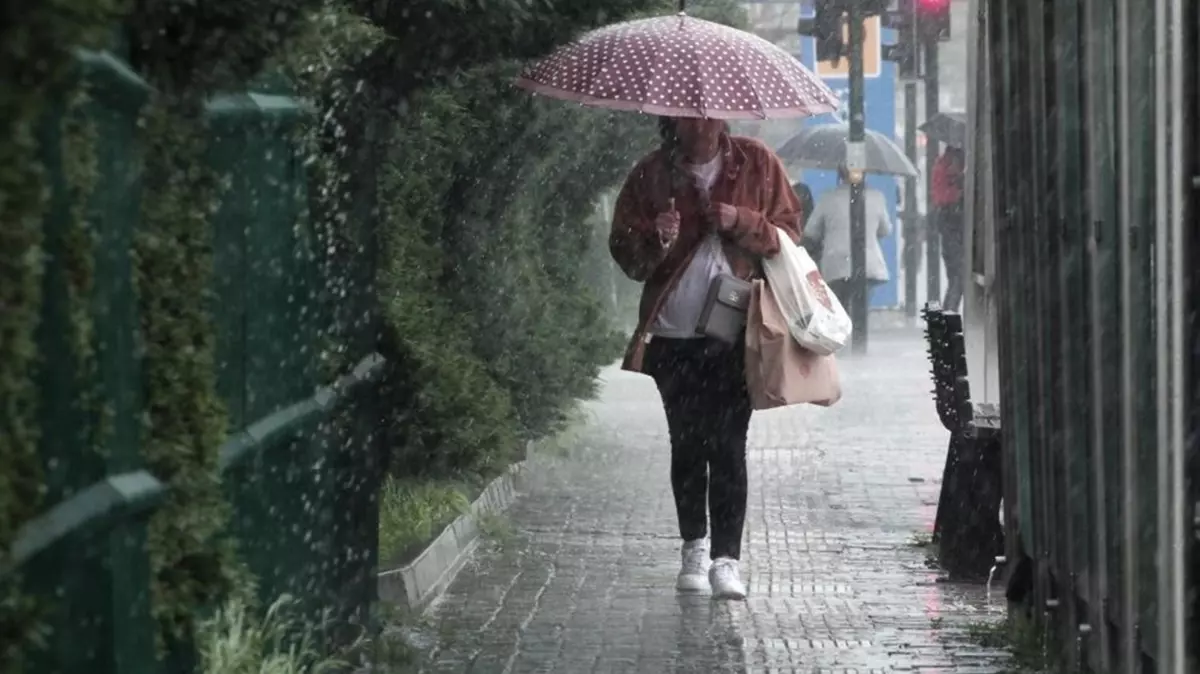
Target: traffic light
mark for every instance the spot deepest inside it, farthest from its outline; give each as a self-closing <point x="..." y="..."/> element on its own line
<point x="933" y="17"/>
<point x="826" y="27"/>
<point x="873" y="7"/>
<point x="905" y="53"/>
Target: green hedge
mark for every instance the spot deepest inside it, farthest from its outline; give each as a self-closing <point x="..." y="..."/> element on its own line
<point x="486" y="228"/>
<point x="192" y="564"/>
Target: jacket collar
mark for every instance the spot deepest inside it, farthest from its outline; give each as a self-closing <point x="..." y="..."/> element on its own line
<point x="733" y="157"/>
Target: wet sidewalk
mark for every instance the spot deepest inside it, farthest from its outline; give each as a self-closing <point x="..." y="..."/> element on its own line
<point x="585" y="582"/>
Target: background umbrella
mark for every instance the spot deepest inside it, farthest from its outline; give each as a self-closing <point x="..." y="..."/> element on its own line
<point x="947" y="127"/>
<point x="823" y="146"/>
<point x="680" y="66"/>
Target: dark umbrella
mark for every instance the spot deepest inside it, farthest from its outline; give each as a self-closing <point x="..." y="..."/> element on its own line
<point x="947" y="127"/>
<point x="823" y="146"/>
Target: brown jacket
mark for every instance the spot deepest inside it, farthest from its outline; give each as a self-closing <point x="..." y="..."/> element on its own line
<point x="753" y="180"/>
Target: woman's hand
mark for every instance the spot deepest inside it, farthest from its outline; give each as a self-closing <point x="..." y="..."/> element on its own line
<point x="667" y="226"/>
<point x="724" y="215"/>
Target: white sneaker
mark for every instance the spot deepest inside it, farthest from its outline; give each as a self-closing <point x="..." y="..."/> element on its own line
<point x="726" y="580"/>
<point x="693" y="576"/>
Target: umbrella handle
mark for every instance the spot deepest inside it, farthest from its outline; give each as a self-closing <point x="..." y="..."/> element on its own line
<point x="682" y="6"/>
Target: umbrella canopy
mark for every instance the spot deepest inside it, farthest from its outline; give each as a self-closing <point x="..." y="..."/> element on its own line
<point x="680" y="66"/>
<point x="823" y="146"/>
<point x="947" y="127"/>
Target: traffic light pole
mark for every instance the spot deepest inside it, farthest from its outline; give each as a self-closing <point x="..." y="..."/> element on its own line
<point x="912" y="249"/>
<point x="855" y="162"/>
<point x="933" y="256"/>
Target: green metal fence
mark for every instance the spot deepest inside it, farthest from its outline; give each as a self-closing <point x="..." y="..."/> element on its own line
<point x="1092" y="108"/>
<point x="301" y="461"/>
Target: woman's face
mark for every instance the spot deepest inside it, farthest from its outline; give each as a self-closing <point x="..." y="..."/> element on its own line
<point x="694" y="132"/>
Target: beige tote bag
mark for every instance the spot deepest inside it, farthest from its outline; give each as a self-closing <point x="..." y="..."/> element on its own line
<point x="779" y="371"/>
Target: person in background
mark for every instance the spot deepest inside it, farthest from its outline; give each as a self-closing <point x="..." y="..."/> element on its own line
<point x="948" y="172"/>
<point x="829" y="228"/>
<point x="805" y="196"/>
<point x="705" y="203"/>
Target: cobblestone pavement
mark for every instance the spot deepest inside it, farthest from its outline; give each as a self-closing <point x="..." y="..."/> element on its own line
<point x="839" y="498"/>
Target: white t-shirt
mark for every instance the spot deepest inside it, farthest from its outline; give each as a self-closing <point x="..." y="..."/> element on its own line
<point x="681" y="310"/>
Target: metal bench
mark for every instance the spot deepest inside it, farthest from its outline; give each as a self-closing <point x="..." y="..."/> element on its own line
<point x="967" y="532"/>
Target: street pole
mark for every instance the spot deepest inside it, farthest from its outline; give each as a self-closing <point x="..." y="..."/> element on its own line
<point x="933" y="255"/>
<point x="855" y="162"/>
<point x="912" y="250"/>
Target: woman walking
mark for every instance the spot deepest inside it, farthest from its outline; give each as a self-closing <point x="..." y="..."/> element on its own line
<point x="703" y="204"/>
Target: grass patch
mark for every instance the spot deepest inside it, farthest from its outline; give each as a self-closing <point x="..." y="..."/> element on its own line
<point x="400" y="646"/>
<point x="1024" y="639"/>
<point x="497" y="528"/>
<point x="923" y="540"/>
<point x="386" y="652"/>
<point x="989" y="635"/>
<point x="920" y="539"/>
<point x="235" y="640"/>
<point x="411" y="514"/>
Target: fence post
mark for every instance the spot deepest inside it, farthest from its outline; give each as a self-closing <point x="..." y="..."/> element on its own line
<point x="275" y="468"/>
<point x="85" y="557"/>
<point x="304" y="472"/>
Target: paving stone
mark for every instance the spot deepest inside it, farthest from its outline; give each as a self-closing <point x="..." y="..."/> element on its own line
<point x="836" y="586"/>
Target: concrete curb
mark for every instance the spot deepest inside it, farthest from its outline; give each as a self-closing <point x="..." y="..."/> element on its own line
<point x="416" y="585"/>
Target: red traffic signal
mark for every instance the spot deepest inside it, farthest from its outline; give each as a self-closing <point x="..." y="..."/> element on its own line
<point x="933" y="16"/>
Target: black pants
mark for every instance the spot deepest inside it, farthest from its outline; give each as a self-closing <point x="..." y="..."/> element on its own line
<point x="703" y="387"/>
<point x="950" y="226"/>
<point x="841" y="290"/>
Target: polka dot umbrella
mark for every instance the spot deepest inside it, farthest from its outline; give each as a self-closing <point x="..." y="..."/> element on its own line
<point x="680" y="66"/>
